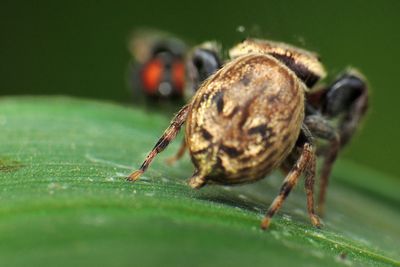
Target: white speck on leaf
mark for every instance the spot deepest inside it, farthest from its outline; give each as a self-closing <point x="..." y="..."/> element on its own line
<point x="110" y="179"/>
<point x="150" y="194"/>
<point x="94" y="220"/>
<point x="287" y="217"/>
<point x="56" y="186"/>
<point x="144" y="178"/>
<point x="241" y="196"/>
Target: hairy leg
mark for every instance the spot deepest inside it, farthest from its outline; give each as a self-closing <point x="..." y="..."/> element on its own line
<point x="321" y="128"/>
<point x="344" y="100"/>
<point x="304" y="164"/>
<point x="169" y="134"/>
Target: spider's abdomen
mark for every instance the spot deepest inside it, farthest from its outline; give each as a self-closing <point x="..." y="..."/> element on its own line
<point x="245" y="119"/>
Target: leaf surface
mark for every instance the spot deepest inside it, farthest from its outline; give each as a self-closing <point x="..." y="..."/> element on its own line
<point x="65" y="202"/>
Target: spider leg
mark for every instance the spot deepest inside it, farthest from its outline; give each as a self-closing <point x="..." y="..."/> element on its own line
<point x="304" y="164"/>
<point x="169" y="134"/>
<point x="321" y="128"/>
<point x="346" y="99"/>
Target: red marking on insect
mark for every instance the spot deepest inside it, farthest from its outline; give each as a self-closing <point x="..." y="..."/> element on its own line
<point x="151" y="75"/>
<point x="178" y="75"/>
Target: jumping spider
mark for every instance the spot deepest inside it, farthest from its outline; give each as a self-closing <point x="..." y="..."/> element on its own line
<point x="165" y="69"/>
<point x="261" y="111"/>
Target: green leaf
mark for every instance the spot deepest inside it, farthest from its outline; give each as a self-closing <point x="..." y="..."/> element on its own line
<point x="65" y="202"/>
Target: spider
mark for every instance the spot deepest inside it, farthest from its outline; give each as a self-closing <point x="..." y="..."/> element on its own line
<point x="163" y="64"/>
<point x="261" y="111"/>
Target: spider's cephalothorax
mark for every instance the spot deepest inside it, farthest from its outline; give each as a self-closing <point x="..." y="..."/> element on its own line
<point x="259" y="112"/>
<point x="166" y="69"/>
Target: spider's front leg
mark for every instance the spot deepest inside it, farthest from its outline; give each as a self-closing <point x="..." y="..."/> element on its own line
<point x="169" y="134"/>
<point x="346" y="99"/>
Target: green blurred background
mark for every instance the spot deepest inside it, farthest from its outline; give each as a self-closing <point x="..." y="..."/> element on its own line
<point x="79" y="48"/>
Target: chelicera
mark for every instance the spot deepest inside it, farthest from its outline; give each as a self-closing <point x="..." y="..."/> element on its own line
<point x="261" y="111"/>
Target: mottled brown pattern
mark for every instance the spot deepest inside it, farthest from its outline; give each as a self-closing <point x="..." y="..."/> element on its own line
<point x="304" y="63"/>
<point x="247" y="144"/>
